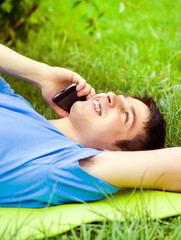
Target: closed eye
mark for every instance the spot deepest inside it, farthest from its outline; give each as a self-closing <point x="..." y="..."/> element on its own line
<point x="127" y="116"/>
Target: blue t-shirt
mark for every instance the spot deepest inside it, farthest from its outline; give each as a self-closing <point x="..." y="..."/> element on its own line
<point x="38" y="164"/>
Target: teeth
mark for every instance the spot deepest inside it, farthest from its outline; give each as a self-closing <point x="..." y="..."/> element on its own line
<point x="97" y="107"/>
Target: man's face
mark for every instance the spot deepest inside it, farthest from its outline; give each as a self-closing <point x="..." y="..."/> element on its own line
<point x="107" y="118"/>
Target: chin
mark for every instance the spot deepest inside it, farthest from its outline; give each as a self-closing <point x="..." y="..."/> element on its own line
<point x="77" y="112"/>
<point x="75" y="106"/>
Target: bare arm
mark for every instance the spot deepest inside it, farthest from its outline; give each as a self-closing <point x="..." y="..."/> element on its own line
<point x="157" y="169"/>
<point x="17" y="65"/>
<point x="51" y="80"/>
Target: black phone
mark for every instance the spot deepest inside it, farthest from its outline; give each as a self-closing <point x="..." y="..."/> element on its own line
<point x="67" y="97"/>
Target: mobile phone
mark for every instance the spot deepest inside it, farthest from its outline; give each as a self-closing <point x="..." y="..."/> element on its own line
<point x="67" y="97"/>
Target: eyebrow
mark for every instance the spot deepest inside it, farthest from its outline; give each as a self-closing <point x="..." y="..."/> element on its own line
<point x="124" y="95"/>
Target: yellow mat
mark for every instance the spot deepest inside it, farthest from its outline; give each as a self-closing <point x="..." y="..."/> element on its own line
<point x="21" y="223"/>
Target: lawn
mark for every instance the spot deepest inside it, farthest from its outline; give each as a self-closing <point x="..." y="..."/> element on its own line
<point x="123" y="46"/>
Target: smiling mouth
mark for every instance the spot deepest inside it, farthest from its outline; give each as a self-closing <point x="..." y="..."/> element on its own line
<point x="97" y="107"/>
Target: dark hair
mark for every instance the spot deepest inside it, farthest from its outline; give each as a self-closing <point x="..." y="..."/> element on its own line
<point x="154" y="130"/>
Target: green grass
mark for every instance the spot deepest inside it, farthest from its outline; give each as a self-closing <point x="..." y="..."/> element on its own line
<point x="137" y="229"/>
<point x="134" y="51"/>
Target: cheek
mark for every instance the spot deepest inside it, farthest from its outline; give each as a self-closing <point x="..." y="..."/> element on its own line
<point x="118" y="119"/>
<point x="114" y="125"/>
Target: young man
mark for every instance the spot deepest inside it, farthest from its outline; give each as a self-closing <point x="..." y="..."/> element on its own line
<point x="51" y="163"/>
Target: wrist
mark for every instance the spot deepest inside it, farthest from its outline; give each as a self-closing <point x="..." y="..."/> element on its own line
<point x="39" y="75"/>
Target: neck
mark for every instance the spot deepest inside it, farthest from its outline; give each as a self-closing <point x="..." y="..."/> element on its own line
<point x="65" y="126"/>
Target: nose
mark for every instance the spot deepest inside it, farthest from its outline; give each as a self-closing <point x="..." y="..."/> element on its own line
<point x="111" y="99"/>
<point x="115" y="100"/>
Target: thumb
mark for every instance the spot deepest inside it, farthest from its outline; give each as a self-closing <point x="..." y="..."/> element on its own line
<point x="61" y="112"/>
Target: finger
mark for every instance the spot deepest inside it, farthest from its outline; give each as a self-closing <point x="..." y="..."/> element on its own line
<point x="91" y="94"/>
<point x="61" y="112"/>
<point x="81" y="85"/>
<point x="85" y="91"/>
<point x="81" y="82"/>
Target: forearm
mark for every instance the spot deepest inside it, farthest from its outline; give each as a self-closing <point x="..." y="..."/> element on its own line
<point x="158" y="169"/>
<point x="15" y="64"/>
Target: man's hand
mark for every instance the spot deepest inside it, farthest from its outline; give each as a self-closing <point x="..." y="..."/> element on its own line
<point x="51" y="80"/>
<point x="57" y="79"/>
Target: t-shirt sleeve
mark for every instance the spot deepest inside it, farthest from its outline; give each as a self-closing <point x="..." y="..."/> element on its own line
<point x="72" y="184"/>
<point x="5" y="88"/>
